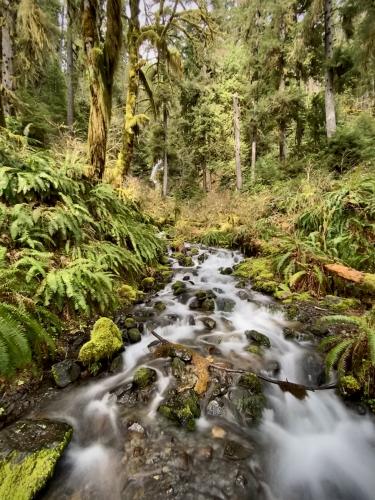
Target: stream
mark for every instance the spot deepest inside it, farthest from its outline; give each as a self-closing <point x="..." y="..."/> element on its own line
<point x="122" y="448"/>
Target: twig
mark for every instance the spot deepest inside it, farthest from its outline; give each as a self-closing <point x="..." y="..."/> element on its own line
<point x="298" y="390"/>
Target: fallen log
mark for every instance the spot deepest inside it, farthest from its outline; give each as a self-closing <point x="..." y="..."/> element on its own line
<point x="364" y="280"/>
<point x="297" y="390"/>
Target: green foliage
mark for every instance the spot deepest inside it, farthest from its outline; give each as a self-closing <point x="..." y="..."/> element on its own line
<point x="352" y="350"/>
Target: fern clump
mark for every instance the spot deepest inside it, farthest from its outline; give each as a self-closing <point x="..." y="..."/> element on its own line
<point x="105" y="341"/>
<point x="352" y="351"/>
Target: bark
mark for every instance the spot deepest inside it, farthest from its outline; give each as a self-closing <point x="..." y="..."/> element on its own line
<point x="165" y="172"/>
<point x="101" y="59"/>
<point x="330" y="109"/>
<point x="8" y="36"/>
<point x="237" y="141"/>
<point x="282" y="123"/>
<point x="134" y="65"/>
<point x="2" y="114"/>
<point x="253" y="158"/>
<point x="69" y="68"/>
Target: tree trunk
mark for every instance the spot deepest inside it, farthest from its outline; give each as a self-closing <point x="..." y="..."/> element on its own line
<point x="2" y="114"/>
<point x="101" y="62"/>
<point x="132" y="90"/>
<point x="165" y="172"/>
<point x="237" y="143"/>
<point x="329" y="76"/>
<point x="8" y="34"/>
<point x="69" y="68"/>
<point x="253" y="158"/>
<point x="282" y="122"/>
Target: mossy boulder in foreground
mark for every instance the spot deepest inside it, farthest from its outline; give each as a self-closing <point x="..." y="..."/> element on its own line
<point x="105" y="341"/>
<point x="29" y="452"/>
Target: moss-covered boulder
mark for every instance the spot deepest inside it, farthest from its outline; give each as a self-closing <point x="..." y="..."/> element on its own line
<point x="144" y="377"/>
<point x="248" y="398"/>
<point x="179" y="287"/>
<point x="182" y="408"/>
<point x="128" y="294"/>
<point x="65" y="372"/>
<point x="29" y="452"/>
<point x="134" y="335"/>
<point x="258" y="338"/>
<point x="105" y="341"/>
<point x="159" y="306"/>
<point x="148" y="283"/>
<point x="130" y="322"/>
<point x="183" y="259"/>
<point x="260" y="271"/>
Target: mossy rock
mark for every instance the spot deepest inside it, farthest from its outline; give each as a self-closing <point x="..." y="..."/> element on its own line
<point x="29" y="452"/>
<point x="258" y="338"/>
<point x="179" y="287"/>
<point x="194" y="251"/>
<point x="260" y="271"/>
<point x="205" y="294"/>
<point x="208" y="305"/>
<point x="160" y="306"/>
<point x="349" y="386"/>
<point x="128" y="294"/>
<point x="182" y="408"/>
<point x="144" y="377"/>
<point x="134" y="335"/>
<point x="340" y="304"/>
<point x="105" y="341"/>
<point x="65" y="372"/>
<point x="130" y="323"/>
<point x="148" y="283"/>
<point x="250" y="381"/>
<point x="166" y="276"/>
<point x="178" y="367"/>
<point x="254" y="349"/>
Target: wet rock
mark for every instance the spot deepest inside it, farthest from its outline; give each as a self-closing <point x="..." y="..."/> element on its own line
<point x="130" y="323"/>
<point x="313" y="368"/>
<point x="136" y="428"/>
<point x="255" y="349"/>
<point x="215" y="408"/>
<point x="248" y="398"/>
<point x="182" y="408"/>
<point x="273" y="367"/>
<point x="243" y="295"/>
<point x="194" y="304"/>
<point x="289" y="333"/>
<point x="218" y="290"/>
<point x="236" y="451"/>
<point x="202" y="257"/>
<point x="186" y="278"/>
<point x="160" y="306"/>
<point x="218" y="432"/>
<point x="191" y="320"/>
<point x="134" y="335"/>
<point x="182" y="354"/>
<point x="250" y="381"/>
<point x="117" y="364"/>
<point x="29" y="452"/>
<point x="225" y="304"/>
<point x="148" y="283"/>
<point x="204" y="453"/>
<point x="178" y="367"/>
<point x="179" y="287"/>
<point x="144" y="377"/>
<point x="183" y="259"/>
<point x="258" y="338"/>
<point x="209" y="323"/>
<point x="65" y="372"/>
<point x="226" y="270"/>
<point x="208" y="305"/>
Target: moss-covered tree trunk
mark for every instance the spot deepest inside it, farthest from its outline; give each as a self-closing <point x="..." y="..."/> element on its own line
<point x="8" y="16"/>
<point x="70" y="67"/>
<point x="101" y="57"/>
<point x="134" y="65"/>
<point x="165" y="160"/>
<point x="330" y="107"/>
<point x="2" y="114"/>
<point x="237" y="141"/>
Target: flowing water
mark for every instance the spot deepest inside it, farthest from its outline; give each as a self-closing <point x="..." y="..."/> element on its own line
<point x="313" y="449"/>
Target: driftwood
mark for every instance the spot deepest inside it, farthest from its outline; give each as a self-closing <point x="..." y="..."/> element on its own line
<point x="297" y="390"/>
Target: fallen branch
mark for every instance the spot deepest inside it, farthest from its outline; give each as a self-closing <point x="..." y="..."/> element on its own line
<point x="297" y="390"/>
<point x="365" y="280"/>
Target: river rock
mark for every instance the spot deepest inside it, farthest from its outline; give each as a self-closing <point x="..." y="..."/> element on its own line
<point x="186" y="278"/>
<point x="202" y="257"/>
<point x="159" y="306"/>
<point x="313" y="368"/>
<point x="144" y="377"/>
<point x="215" y="408"/>
<point x="182" y="408"/>
<point x="208" y="305"/>
<point x="134" y="335"/>
<point x="65" y="372"/>
<point x="258" y="338"/>
<point x="29" y="452"/>
<point x="224" y="304"/>
<point x="117" y="364"/>
<point x="233" y="450"/>
<point x="208" y="323"/>
<point x="226" y="270"/>
<point x="179" y="287"/>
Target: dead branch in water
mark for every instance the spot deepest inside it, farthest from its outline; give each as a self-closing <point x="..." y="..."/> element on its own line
<point x="297" y="390"/>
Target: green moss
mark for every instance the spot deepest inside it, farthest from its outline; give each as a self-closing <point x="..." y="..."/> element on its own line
<point x="349" y="385"/>
<point x="255" y="349"/>
<point x="259" y="271"/>
<point x="340" y="304"/>
<point x="130" y="323"/>
<point x="127" y="294"/>
<point x="251" y="406"/>
<point x="179" y="287"/>
<point x="160" y="306"/>
<point x="290" y="298"/>
<point x="105" y="341"/>
<point x="182" y="408"/>
<point x="369" y="284"/>
<point x="251" y="382"/>
<point x="134" y="335"/>
<point x="22" y="477"/>
<point x="144" y="377"/>
<point x="148" y="283"/>
<point x="258" y="338"/>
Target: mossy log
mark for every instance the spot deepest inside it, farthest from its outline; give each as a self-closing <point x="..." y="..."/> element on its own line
<point x="365" y="281"/>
